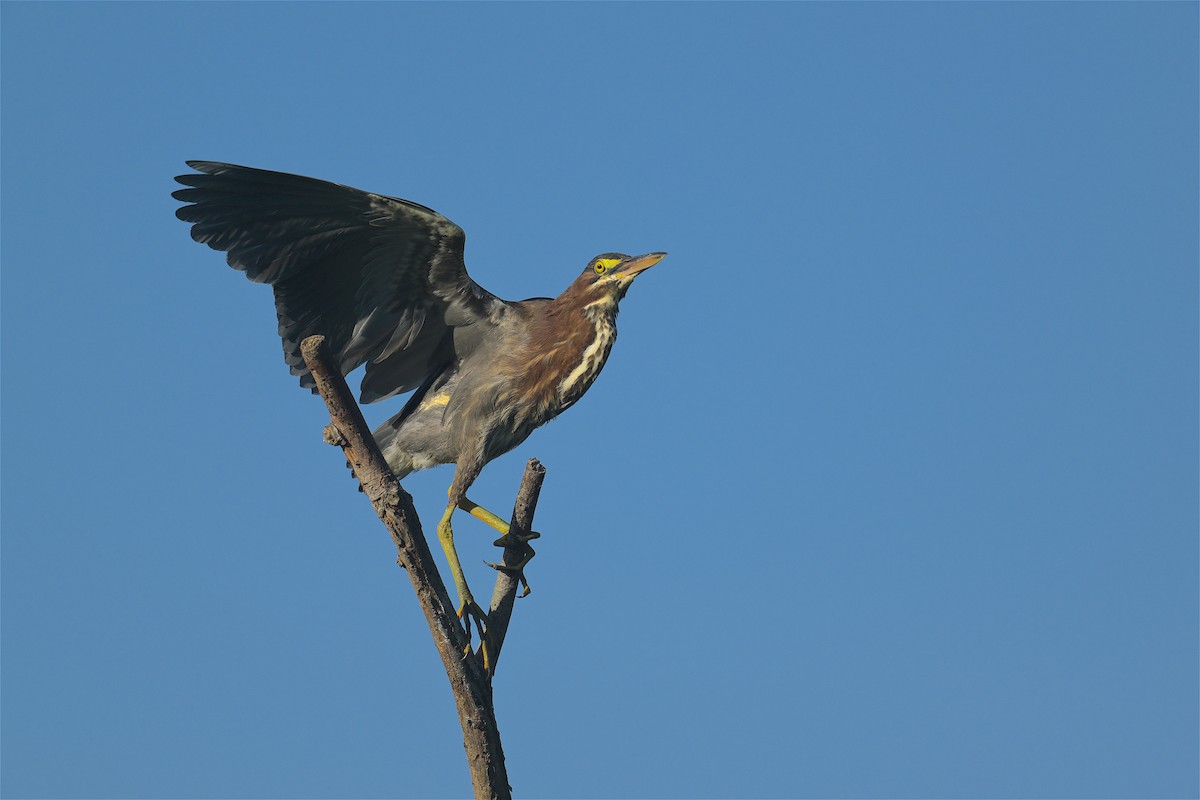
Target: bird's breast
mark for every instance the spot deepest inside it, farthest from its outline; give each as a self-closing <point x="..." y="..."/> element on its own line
<point x="565" y="361"/>
<point x="590" y="361"/>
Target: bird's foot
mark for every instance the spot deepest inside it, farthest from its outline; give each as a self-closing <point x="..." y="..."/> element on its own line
<point x="510" y="538"/>
<point x="519" y="541"/>
<point x="470" y="613"/>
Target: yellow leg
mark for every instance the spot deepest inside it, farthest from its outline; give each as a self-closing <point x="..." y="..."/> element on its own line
<point x="446" y="537"/>
<point x="479" y="512"/>
<point x="467" y="607"/>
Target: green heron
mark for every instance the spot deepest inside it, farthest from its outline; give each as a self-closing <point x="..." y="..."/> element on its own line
<point x="384" y="280"/>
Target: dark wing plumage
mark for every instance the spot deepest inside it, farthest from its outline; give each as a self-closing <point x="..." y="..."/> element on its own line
<point x="382" y="278"/>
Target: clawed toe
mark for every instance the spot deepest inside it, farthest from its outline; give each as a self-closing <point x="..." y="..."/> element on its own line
<point x="521" y="538"/>
<point x="516" y="570"/>
<point x="471" y="613"/>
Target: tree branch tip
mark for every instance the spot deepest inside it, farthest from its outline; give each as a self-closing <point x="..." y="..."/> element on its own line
<point x="311" y="344"/>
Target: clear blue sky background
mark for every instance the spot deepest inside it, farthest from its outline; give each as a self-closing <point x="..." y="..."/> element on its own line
<point x="889" y="490"/>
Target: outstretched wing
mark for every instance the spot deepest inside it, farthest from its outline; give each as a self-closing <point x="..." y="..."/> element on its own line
<point x="381" y="278"/>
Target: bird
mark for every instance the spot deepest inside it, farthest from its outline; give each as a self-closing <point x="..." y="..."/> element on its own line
<point x="385" y="281"/>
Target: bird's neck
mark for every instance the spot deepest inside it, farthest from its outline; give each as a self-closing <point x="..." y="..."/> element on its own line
<point x="602" y="315"/>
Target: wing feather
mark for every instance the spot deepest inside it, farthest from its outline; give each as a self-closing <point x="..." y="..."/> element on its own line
<point x="383" y="279"/>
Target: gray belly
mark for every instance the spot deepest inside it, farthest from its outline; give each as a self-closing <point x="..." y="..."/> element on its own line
<point x="418" y="442"/>
<point x="438" y="431"/>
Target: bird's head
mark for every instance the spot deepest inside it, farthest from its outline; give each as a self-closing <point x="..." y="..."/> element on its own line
<point x="609" y="275"/>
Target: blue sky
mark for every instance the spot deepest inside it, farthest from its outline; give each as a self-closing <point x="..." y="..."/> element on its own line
<point x="888" y="490"/>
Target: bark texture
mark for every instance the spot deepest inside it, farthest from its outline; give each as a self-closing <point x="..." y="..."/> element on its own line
<point x="468" y="679"/>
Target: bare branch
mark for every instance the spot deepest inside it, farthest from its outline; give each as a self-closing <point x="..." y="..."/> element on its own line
<point x="517" y="553"/>
<point x="472" y="690"/>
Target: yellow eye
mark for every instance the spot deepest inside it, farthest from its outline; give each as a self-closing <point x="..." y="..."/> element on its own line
<point x="603" y="265"/>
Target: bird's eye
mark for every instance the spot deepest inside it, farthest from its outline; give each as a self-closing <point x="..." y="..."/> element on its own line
<point x="600" y="268"/>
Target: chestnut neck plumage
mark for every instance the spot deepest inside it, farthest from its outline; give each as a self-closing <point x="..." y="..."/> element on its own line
<point x="571" y="344"/>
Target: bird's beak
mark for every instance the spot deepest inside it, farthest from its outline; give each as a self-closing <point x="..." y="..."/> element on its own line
<point x="633" y="266"/>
